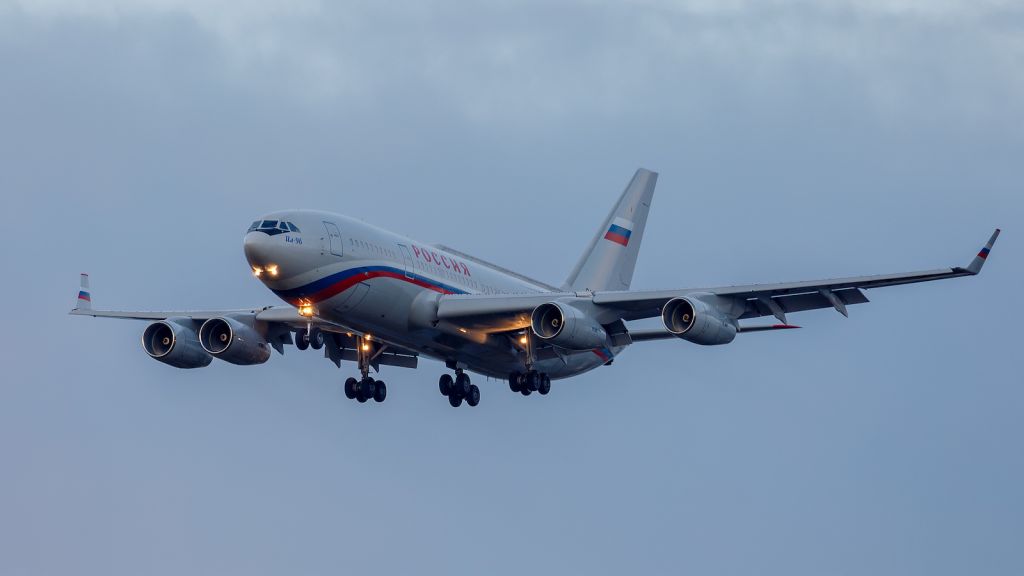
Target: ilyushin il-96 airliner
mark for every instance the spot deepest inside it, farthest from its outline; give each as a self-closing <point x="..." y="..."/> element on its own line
<point x="374" y="298"/>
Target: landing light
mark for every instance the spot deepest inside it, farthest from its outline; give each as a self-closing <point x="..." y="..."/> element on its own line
<point x="305" y="310"/>
<point x="272" y="270"/>
<point x="257" y="271"/>
<point x="523" y="340"/>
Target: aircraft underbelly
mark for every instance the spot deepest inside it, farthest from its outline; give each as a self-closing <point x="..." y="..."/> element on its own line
<point x="380" y="307"/>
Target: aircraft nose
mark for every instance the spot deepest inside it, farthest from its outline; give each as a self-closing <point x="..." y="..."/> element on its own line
<point x="265" y="256"/>
<point x="255" y="247"/>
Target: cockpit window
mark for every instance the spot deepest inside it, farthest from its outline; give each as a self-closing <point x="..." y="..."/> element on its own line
<point x="273" y="227"/>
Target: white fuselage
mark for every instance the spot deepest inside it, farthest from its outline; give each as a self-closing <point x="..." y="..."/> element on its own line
<point x="383" y="284"/>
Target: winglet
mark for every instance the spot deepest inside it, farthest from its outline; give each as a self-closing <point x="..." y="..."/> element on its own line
<point x="84" y="296"/>
<point x="979" y="260"/>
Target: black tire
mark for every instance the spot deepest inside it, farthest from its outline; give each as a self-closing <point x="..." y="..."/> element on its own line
<point x="545" y="385"/>
<point x="366" y="387"/>
<point x="351" y="388"/>
<point x="455" y="400"/>
<point x="526" y="391"/>
<point x="532" y="381"/>
<point x="445" y="384"/>
<point x="316" y="340"/>
<point x="514" y="380"/>
<point x="361" y="399"/>
<point x="462" y="384"/>
<point x="301" y="340"/>
<point x="473" y="398"/>
<point x="380" y="392"/>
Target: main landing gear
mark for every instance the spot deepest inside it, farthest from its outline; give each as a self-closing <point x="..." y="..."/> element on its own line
<point x="365" y="389"/>
<point x="362" y="389"/>
<point x="458" y="389"/>
<point x="529" y="382"/>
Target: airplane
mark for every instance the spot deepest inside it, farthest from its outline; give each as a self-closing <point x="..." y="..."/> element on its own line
<point x="375" y="298"/>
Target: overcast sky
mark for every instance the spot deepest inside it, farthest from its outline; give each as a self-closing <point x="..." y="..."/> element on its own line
<point x="795" y="140"/>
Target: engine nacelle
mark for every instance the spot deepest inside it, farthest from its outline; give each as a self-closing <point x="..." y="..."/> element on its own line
<point x="697" y="321"/>
<point x="233" y="341"/>
<point x="567" y="327"/>
<point x="174" y="341"/>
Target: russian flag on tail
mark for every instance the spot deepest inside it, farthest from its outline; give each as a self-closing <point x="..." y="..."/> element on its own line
<point x="84" y="298"/>
<point x="620" y="231"/>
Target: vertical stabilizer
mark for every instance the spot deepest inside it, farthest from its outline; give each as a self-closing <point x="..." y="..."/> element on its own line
<point x="84" y="296"/>
<point x="609" y="260"/>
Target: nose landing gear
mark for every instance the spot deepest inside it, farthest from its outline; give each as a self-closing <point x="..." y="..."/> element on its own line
<point x="309" y="339"/>
<point x="458" y="389"/>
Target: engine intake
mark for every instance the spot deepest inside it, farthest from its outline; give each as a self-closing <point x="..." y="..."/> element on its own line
<point x="174" y="342"/>
<point x="697" y="321"/>
<point x="233" y="341"/>
<point x="567" y="327"/>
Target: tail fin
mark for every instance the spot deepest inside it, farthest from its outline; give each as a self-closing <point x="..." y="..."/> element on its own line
<point x="609" y="260"/>
<point x="84" y="296"/>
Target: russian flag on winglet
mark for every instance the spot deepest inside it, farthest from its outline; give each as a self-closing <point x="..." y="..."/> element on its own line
<point x="620" y="231"/>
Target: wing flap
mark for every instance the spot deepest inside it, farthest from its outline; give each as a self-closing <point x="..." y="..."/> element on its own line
<point x="758" y="307"/>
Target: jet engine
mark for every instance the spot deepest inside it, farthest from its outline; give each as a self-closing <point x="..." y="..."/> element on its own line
<point x="234" y="341"/>
<point x="697" y="321"/>
<point x="567" y="327"/>
<point x="174" y="341"/>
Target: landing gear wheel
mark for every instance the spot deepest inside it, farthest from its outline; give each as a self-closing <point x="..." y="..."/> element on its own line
<point x="360" y="398"/>
<point x="445" y="384"/>
<point x="316" y="339"/>
<point x="351" y="388"/>
<point x="514" y="381"/>
<point x="473" y="398"/>
<point x="366" y="389"/>
<point x="526" y="391"/>
<point x="532" y="381"/>
<point x="462" y="384"/>
<point x="380" y="392"/>
<point x="301" y="340"/>
<point x="455" y="400"/>
<point x="545" y="385"/>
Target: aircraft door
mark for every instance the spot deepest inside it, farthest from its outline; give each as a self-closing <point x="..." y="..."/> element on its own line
<point x="335" y="244"/>
<point x="407" y="260"/>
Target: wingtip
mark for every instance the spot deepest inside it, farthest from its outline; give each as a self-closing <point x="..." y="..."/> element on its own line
<point x="979" y="260"/>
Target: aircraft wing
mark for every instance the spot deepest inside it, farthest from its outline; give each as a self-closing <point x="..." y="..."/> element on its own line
<point x="282" y="320"/>
<point x="284" y="315"/>
<point x="758" y="299"/>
